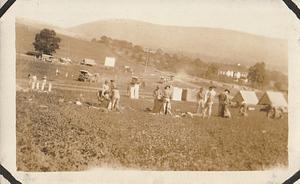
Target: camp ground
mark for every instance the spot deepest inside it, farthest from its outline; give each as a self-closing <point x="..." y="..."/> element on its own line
<point x="69" y="128"/>
<point x="249" y="97"/>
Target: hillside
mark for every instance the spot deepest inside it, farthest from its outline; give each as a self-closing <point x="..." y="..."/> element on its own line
<point x="209" y="44"/>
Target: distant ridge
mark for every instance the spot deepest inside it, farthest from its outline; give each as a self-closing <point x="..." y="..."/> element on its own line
<point x="210" y="44"/>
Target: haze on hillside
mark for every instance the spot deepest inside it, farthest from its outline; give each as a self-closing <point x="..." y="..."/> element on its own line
<point x="208" y="44"/>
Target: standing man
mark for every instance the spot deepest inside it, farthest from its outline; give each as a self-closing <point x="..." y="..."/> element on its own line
<point x="167" y="100"/>
<point x="209" y="96"/>
<point x="201" y="101"/>
<point x="222" y="97"/>
<point x="226" y="112"/>
<point x="105" y="87"/>
<point x="115" y="98"/>
<point x="158" y="101"/>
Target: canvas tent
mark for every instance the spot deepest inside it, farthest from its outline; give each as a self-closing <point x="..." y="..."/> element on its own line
<point x="189" y="95"/>
<point x="273" y="98"/>
<point x="248" y="96"/>
<point x="110" y="62"/>
<point x="176" y="94"/>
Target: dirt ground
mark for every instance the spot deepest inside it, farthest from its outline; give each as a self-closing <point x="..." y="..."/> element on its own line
<point x="54" y="134"/>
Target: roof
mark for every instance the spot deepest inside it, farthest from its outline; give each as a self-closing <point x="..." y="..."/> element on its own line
<point x="273" y="98"/>
<point x="84" y="71"/>
<point x="248" y="96"/>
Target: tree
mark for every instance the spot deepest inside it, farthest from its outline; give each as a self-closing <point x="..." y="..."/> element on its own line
<point x="46" y="42"/>
<point x="212" y="70"/>
<point x="257" y="75"/>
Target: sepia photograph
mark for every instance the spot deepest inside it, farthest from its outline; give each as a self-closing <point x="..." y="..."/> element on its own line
<point x="151" y="86"/>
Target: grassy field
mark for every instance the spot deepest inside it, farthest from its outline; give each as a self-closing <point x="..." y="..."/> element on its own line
<point x="60" y="136"/>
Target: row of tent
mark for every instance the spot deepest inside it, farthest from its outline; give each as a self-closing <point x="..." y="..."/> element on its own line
<point x="249" y="97"/>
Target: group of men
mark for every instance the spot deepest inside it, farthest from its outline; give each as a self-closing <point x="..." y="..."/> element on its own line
<point x="34" y="83"/>
<point x="163" y="95"/>
<point x="206" y="101"/>
<point x="109" y="95"/>
<point x="162" y="100"/>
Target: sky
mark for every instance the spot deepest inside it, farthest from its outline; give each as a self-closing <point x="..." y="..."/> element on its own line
<point x="263" y="17"/>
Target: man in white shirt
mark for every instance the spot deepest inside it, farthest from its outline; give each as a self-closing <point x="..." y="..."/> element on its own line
<point x="209" y="97"/>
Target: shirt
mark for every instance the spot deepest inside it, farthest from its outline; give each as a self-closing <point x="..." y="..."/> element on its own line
<point x="210" y="96"/>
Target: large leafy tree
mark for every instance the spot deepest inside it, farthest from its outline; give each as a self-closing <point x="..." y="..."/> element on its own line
<point x="257" y="74"/>
<point x="46" y="42"/>
<point x="212" y="71"/>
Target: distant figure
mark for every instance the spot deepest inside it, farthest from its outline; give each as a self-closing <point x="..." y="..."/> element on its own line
<point x="33" y="82"/>
<point x="105" y="87"/>
<point x="201" y="101"/>
<point x="222" y="98"/>
<point x="167" y="94"/>
<point x="29" y="80"/>
<point x="158" y="100"/>
<point x="67" y="74"/>
<point x="209" y="96"/>
<point x="243" y="109"/>
<point x="56" y="72"/>
<point x="226" y="113"/>
<point x="44" y="81"/>
<point x="105" y="100"/>
<point x="143" y="84"/>
<point x="274" y="112"/>
<point x="49" y="87"/>
<point x="115" y="99"/>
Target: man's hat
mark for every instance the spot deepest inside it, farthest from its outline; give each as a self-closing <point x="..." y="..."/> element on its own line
<point x="227" y="90"/>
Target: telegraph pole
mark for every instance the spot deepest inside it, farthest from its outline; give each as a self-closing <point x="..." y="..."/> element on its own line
<point x="147" y="59"/>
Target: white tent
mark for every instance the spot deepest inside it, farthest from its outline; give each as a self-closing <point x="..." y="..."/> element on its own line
<point x="248" y="96"/>
<point x="177" y="93"/>
<point x="110" y="61"/>
<point x="273" y="98"/>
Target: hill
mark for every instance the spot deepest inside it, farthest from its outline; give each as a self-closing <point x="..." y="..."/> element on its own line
<point x="209" y="44"/>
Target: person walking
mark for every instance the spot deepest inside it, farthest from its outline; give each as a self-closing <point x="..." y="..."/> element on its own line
<point x="209" y="97"/>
